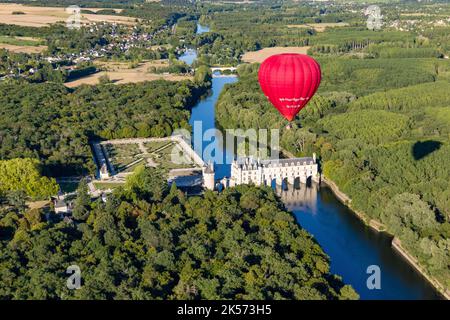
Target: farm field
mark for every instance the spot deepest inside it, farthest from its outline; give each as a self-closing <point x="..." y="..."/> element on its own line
<point x="22" y="44"/>
<point x="260" y="55"/>
<point x="23" y="49"/>
<point x="319" y="27"/>
<point x="44" y="16"/>
<point x="120" y="73"/>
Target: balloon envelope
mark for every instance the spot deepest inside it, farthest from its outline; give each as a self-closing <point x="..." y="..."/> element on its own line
<point x="289" y="81"/>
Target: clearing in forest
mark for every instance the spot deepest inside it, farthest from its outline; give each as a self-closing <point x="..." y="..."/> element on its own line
<point x="260" y="55"/>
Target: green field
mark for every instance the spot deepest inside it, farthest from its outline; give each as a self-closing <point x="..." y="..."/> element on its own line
<point x="121" y="155"/>
<point x="106" y="185"/>
<point x="164" y="159"/>
<point x="20" y="42"/>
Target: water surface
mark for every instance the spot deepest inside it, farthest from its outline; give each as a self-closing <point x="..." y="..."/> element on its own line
<point x="188" y="56"/>
<point x="201" y="29"/>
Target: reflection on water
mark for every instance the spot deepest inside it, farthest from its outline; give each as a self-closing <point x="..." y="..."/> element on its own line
<point x="299" y="197"/>
<point x="353" y="247"/>
<point x="190" y="55"/>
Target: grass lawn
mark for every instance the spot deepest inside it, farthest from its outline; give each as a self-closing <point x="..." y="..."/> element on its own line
<point x="121" y="155"/>
<point x="122" y="150"/>
<point x="131" y="168"/>
<point x="160" y="152"/>
<point x="107" y="185"/>
<point x="155" y="145"/>
<point x="164" y="158"/>
<point x="120" y="163"/>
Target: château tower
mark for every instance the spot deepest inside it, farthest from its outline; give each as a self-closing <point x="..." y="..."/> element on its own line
<point x="209" y="176"/>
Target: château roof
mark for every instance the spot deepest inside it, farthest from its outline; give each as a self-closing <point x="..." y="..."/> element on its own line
<point x="252" y="162"/>
<point x="60" y="204"/>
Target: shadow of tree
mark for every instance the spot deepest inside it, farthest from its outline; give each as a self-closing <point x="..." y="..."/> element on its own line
<point x="421" y="149"/>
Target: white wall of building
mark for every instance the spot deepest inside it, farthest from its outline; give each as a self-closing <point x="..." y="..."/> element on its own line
<point x="263" y="172"/>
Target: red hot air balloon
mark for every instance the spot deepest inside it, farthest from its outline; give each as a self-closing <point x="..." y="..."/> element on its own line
<point x="289" y="81"/>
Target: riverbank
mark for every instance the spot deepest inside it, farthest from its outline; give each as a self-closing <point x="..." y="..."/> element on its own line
<point x="395" y="243"/>
<point x="373" y="224"/>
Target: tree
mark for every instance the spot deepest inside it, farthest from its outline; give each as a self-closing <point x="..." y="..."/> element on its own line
<point x="147" y="183"/>
<point x="234" y="245"/>
<point x="104" y="79"/>
<point x="348" y="293"/>
<point x="17" y="200"/>
<point x="82" y="202"/>
<point x="202" y="74"/>
<point x="47" y="121"/>
<point x="409" y="211"/>
<point x="24" y="175"/>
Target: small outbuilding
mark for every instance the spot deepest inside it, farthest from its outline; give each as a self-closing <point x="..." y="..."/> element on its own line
<point x="61" y="206"/>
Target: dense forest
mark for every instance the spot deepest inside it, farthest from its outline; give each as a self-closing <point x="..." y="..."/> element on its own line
<point x="22" y="178"/>
<point x="234" y="32"/>
<point x="51" y="123"/>
<point x="148" y="242"/>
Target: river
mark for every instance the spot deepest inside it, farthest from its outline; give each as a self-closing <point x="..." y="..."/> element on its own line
<point x="190" y="54"/>
<point x="201" y="29"/>
<point x="351" y="245"/>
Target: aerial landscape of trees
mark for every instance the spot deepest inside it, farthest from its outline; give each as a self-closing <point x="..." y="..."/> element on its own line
<point x="55" y="125"/>
<point x="151" y="242"/>
<point x="379" y="124"/>
<point x="24" y="175"/>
